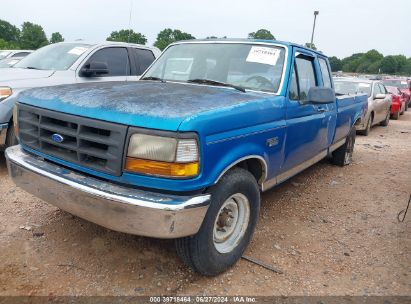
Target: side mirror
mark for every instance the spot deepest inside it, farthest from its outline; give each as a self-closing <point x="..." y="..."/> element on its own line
<point x="379" y="96"/>
<point x="321" y="95"/>
<point x="94" y="69"/>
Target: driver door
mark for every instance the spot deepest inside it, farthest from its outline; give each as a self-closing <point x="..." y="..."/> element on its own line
<point x="307" y="133"/>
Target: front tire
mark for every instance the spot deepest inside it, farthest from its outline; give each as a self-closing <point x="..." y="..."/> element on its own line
<point x="386" y="121"/>
<point x="367" y="128"/>
<point x="228" y="226"/>
<point x="343" y="155"/>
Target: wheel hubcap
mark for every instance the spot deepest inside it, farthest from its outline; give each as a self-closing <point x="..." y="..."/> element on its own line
<point x="231" y="223"/>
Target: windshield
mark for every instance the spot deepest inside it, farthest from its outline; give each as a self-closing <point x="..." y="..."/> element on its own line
<point x="8" y="62"/>
<point x="396" y="83"/>
<point x="255" y="67"/>
<point x="56" y="57"/>
<point x="4" y="54"/>
<point x="352" y="87"/>
<point x="392" y="90"/>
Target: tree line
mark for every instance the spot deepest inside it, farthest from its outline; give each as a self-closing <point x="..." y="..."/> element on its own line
<point x="372" y="62"/>
<point x="32" y="36"/>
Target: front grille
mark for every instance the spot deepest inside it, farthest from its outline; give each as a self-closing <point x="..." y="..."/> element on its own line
<point x="90" y="143"/>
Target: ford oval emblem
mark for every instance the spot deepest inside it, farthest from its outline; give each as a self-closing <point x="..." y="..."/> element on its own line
<point x="57" y="138"/>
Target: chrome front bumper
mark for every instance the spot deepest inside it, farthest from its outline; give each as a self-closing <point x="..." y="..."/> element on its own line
<point x="115" y="207"/>
<point x="3" y="134"/>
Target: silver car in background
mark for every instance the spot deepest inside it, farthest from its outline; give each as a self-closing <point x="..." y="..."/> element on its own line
<point x="67" y="63"/>
<point x="379" y="101"/>
<point x="14" y="53"/>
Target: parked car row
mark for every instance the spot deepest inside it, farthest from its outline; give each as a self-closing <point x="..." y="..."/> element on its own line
<point x="387" y="99"/>
<point x="184" y="152"/>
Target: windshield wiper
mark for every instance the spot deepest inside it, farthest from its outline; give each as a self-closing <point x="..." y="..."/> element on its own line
<point x="217" y="83"/>
<point x="153" y="78"/>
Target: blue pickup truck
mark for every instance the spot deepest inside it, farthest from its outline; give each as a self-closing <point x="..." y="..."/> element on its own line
<point x="185" y="152"/>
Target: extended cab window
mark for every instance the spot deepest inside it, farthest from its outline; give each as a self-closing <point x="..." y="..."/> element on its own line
<point x="325" y="73"/>
<point x="143" y="59"/>
<point x="303" y="78"/>
<point x="116" y="59"/>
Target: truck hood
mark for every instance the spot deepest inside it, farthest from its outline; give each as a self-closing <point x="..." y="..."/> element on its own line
<point x="10" y="74"/>
<point x="146" y="104"/>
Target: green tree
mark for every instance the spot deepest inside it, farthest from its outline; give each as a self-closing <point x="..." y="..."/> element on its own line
<point x="389" y="65"/>
<point x="56" y="37"/>
<point x="9" y="32"/>
<point x="168" y="36"/>
<point x="401" y="60"/>
<point x="261" y="34"/>
<point x="311" y="46"/>
<point x="127" y="36"/>
<point x="406" y="69"/>
<point x="32" y="36"/>
<point x="351" y="63"/>
<point x="335" y="63"/>
<point x="7" y="45"/>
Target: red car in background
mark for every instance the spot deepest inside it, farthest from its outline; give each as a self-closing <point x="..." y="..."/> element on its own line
<point x="403" y="84"/>
<point x="399" y="101"/>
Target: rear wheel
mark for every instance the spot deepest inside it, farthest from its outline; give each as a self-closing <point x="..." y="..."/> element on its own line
<point x="386" y="121"/>
<point x="227" y="227"/>
<point x="11" y="139"/>
<point x="343" y="155"/>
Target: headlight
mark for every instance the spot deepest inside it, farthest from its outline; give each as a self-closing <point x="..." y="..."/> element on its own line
<point x="162" y="156"/>
<point x="5" y="92"/>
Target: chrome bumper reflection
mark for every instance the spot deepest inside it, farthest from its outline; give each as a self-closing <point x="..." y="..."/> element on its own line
<point x="115" y="207"/>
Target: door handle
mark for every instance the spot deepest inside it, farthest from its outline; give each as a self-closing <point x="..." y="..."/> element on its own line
<point x="321" y="109"/>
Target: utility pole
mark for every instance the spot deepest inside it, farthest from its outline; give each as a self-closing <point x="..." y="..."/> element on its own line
<point x="312" y="35"/>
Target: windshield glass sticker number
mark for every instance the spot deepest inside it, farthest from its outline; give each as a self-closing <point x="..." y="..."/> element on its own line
<point x="264" y="55"/>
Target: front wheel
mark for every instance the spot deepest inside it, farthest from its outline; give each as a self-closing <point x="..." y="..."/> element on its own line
<point x="367" y="129"/>
<point x="228" y="226"/>
<point x="343" y="155"/>
<point x="386" y="121"/>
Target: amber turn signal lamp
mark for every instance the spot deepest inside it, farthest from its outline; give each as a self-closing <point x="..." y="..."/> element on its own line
<point x="152" y="167"/>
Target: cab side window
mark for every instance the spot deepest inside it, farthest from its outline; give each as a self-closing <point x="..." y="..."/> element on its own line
<point x="377" y="89"/>
<point x="116" y="59"/>
<point x="382" y="89"/>
<point x="143" y="59"/>
<point x="303" y="78"/>
<point x="325" y="73"/>
<point x="293" y="92"/>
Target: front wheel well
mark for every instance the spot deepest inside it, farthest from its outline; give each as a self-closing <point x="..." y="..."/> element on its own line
<point x="255" y="165"/>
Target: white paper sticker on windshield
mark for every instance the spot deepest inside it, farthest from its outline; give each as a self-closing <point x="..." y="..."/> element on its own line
<point x="78" y="50"/>
<point x="403" y="82"/>
<point x="264" y="55"/>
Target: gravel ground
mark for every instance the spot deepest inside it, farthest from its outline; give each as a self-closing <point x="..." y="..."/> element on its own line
<point x="331" y="230"/>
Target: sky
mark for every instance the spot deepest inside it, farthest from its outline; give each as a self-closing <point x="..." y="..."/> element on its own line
<point x="343" y="27"/>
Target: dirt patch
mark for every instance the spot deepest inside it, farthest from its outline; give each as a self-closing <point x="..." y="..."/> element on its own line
<point x="331" y="230"/>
